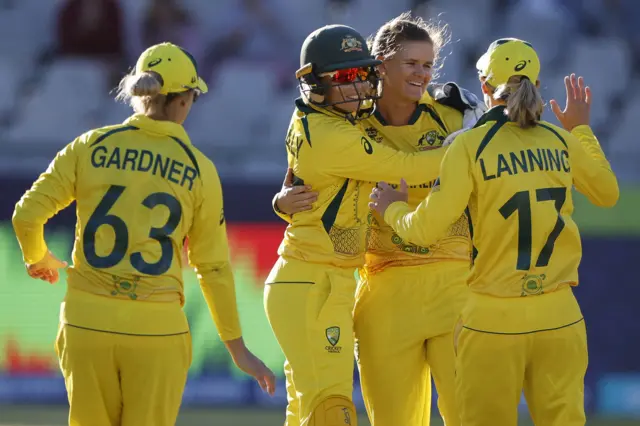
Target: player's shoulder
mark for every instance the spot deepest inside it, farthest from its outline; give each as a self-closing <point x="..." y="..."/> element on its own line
<point x="481" y="133"/>
<point x="204" y="165"/>
<point x="428" y="100"/>
<point x="97" y="135"/>
<point x="558" y="132"/>
<point x="320" y="126"/>
<point x="444" y="105"/>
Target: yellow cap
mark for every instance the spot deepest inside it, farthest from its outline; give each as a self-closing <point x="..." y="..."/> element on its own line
<point x="507" y="57"/>
<point x="176" y="66"/>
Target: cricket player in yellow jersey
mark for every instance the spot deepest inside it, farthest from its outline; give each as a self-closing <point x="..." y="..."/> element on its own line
<point x="310" y="291"/>
<point x="140" y="188"/>
<point x="513" y="174"/>
<point x="409" y="297"/>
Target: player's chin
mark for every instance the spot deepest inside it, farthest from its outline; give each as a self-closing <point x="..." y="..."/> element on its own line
<point x="349" y="106"/>
<point x="413" y="93"/>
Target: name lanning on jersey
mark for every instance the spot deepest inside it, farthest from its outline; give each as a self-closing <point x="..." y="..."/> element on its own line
<point x="527" y="161"/>
<point x="143" y="160"/>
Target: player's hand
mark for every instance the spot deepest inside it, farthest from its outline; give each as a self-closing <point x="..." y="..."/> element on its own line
<point x="47" y="268"/>
<point x="384" y="195"/>
<point x="294" y="199"/>
<point x="578" y="108"/>
<point x="251" y="364"/>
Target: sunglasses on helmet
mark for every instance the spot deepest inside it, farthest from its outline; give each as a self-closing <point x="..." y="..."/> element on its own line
<point x="350" y="75"/>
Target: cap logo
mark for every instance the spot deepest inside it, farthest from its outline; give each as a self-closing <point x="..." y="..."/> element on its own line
<point x="351" y="44"/>
<point x="153" y="63"/>
<point x="520" y="66"/>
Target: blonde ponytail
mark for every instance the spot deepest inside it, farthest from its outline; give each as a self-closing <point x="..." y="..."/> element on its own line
<point x="140" y="91"/>
<point x="524" y="102"/>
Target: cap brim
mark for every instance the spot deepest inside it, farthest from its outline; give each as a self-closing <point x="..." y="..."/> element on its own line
<point x="352" y="64"/>
<point x="482" y="63"/>
<point x="202" y="86"/>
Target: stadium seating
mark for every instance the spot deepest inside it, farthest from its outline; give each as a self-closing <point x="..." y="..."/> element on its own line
<point x="244" y="117"/>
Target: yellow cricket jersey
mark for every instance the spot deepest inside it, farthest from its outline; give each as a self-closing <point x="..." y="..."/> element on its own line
<point x="140" y="188"/>
<point x="515" y="186"/>
<point x="427" y="129"/>
<point x="336" y="158"/>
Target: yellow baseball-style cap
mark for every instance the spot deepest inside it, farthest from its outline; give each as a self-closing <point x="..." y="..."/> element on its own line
<point x="176" y="66"/>
<point x="507" y="57"/>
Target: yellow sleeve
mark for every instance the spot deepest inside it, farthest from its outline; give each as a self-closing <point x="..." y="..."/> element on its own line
<point x="347" y="153"/>
<point x="209" y="255"/>
<point x="592" y="174"/>
<point x="443" y="206"/>
<point x="286" y="217"/>
<point x="54" y="190"/>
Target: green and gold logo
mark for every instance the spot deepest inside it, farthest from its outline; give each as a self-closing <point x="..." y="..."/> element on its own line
<point x="125" y="287"/>
<point x="532" y="284"/>
<point x="351" y="44"/>
<point x="333" y="336"/>
<point x="429" y="139"/>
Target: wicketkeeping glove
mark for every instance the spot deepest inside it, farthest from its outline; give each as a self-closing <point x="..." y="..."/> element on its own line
<point x="456" y="97"/>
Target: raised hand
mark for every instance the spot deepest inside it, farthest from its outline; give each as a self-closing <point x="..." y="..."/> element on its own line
<point x="578" y="108"/>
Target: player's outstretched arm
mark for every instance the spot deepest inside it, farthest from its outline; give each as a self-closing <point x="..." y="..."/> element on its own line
<point x="347" y="153"/>
<point x="208" y="253"/>
<point x="51" y="192"/>
<point x="591" y="171"/>
<point x="443" y="206"/>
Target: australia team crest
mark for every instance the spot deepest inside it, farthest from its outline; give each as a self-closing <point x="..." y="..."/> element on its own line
<point x="430" y="141"/>
<point x="351" y="44"/>
<point x="333" y="336"/>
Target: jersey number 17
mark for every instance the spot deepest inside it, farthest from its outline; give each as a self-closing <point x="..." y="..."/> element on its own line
<point x="521" y="202"/>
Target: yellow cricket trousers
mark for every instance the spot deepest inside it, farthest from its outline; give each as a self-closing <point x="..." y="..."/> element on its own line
<point x="309" y="307"/>
<point x="122" y="378"/>
<point x="493" y="367"/>
<point x="404" y="319"/>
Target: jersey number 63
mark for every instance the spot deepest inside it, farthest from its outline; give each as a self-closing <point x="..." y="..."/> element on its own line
<point x="102" y="217"/>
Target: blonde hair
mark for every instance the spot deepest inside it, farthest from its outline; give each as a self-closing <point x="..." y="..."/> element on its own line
<point x="141" y="91"/>
<point x="388" y="40"/>
<point x="523" y="99"/>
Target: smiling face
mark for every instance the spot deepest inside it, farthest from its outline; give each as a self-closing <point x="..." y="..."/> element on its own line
<point x="409" y="70"/>
<point x="349" y="97"/>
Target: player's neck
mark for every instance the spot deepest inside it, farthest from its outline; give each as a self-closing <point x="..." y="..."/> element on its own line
<point x="396" y="112"/>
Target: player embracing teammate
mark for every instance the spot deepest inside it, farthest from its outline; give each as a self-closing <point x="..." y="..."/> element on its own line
<point x="411" y="286"/>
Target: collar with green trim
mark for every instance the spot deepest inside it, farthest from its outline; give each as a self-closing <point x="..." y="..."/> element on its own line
<point x="494" y="114"/>
<point x="420" y="108"/>
<point x="168" y="128"/>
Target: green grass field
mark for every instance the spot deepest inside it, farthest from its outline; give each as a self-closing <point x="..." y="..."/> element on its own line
<point x="56" y="416"/>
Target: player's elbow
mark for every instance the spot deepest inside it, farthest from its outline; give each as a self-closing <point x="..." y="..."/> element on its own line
<point x="609" y="197"/>
<point x="19" y="215"/>
<point x="212" y="272"/>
